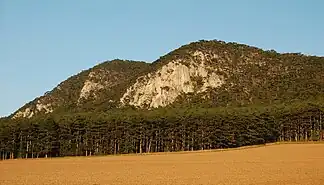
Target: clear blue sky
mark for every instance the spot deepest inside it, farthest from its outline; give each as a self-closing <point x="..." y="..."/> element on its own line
<point x="44" y="42"/>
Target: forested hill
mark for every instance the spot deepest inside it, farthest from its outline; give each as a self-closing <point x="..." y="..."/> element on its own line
<point x="204" y="73"/>
<point x="97" y="88"/>
<point x="204" y="95"/>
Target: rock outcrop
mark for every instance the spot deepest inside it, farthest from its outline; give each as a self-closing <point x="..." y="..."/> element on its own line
<point x="163" y="86"/>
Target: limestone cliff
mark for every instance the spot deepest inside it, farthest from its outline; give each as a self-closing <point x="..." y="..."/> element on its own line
<point x="163" y="86"/>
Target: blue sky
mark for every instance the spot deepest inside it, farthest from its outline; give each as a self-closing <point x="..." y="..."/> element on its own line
<point x="44" y="42"/>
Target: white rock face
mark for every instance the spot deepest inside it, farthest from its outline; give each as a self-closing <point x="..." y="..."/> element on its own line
<point x="165" y="85"/>
<point x="90" y="87"/>
<point x="41" y="107"/>
<point x="28" y="112"/>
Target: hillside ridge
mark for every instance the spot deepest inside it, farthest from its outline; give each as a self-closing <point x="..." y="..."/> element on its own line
<point x="209" y="73"/>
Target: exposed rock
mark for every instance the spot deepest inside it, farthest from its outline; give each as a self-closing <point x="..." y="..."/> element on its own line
<point x="89" y="89"/>
<point x="162" y="87"/>
<point x="28" y="113"/>
<point x="96" y="81"/>
<point x="42" y="107"/>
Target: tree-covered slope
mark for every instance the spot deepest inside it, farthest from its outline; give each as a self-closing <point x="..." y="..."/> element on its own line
<point x="254" y="76"/>
<point x="204" y="73"/>
<point x="97" y="88"/>
<point x="214" y="73"/>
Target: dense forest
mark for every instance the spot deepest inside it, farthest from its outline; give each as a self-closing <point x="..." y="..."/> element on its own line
<point x="265" y="97"/>
<point x="159" y="130"/>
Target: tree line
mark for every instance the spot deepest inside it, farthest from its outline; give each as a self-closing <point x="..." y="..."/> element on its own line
<point x="159" y="130"/>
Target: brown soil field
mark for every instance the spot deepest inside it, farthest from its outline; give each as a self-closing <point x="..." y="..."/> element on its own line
<point x="286" y="164"/>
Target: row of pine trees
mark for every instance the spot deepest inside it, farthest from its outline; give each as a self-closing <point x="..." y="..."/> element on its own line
<point x="160" y="130"/>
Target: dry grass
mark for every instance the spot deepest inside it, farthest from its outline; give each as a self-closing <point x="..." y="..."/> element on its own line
<point x="286" y="164"/>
